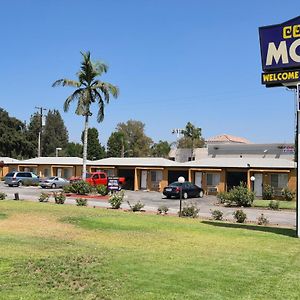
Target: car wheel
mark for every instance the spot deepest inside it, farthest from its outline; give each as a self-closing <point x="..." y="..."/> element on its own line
<point x="53" y="186"/>
<point x="10" y="185"/>
<point x="201" y="194"/>
<point x="20" y="183"/>
<point x="185" y="195"/>
<point x="168" y="197"/>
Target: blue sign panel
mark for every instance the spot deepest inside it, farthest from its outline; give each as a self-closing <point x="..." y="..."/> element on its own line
<point x="280" y="45"/>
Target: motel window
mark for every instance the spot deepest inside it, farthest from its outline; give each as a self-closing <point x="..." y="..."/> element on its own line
<point x="279" y="181"/>
<point x="212" y="179"/>
<point x="156" y="176"/>
<point x="110" y="172"/>
<point x="46" y="173"/>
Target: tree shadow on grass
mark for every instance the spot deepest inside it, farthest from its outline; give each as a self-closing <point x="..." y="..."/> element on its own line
<point x="277" y="230"/>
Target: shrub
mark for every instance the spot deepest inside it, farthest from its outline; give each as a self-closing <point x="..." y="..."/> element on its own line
<point x="241" y="196"/>
<point x="2" y="196"/>
<point x="274" y="204"/>
<point x="162" y="210"/>
<point x="116" y="199"/>
<point x="222" y="197"/>
<point x="262" y="220"/>
<point x="44" y="197"/>
<point x="81" y="202"/>
<point x="101" y="189"/>
<point x="287" y="194"/>
<point x="59" y="198"/>
<point x="189" y="210"/>
<point x="268" y="192"/>
<point x="137" y="206"/>
<point x="80" y="187"/>
<point x="217" y="214"/>
<point x="240" y="216"/>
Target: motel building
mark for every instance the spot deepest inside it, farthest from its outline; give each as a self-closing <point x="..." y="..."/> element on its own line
<point x="216" y="168"/>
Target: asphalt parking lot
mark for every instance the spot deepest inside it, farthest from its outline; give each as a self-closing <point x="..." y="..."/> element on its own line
<point x="152" y="200"/>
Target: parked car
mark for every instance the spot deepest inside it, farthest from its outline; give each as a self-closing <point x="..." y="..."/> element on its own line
<point x="53" y="182"/>
<point x="20" y="178"/>
<point x="188" y="190"/>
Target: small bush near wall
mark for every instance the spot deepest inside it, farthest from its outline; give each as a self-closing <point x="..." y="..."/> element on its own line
<point x="59" y="198"/>
<point x="81" y="202"/>
<point x="222" y="197"/>
<point x="116" y="199"/>
<point x="217" y="215"/>
<point x="137" y="206"/>
<point x="162" y="210"/>
<point x="2" y="196"/>
<point x="241" y="196"/>
<point x="189" y="210"/>
<point x="240" y="216"/>
<point x="274" y="204"/>
<point x="268" y="192"/>
<point x="287" y="194"/>
<point x="44" y="197"/>
<point x="262" y="220"/>
<point x="101" y="189"/>
<point x="79" y="187"/>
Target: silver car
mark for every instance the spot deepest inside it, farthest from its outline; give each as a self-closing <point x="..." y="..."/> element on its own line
<point x="20" y="178"/>
<point x="53" y="182"/>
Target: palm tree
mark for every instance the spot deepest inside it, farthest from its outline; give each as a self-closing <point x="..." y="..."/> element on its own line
<point x="88" y="90"/>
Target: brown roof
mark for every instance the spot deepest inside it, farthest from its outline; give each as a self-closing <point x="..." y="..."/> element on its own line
<point x="227" y="138"/>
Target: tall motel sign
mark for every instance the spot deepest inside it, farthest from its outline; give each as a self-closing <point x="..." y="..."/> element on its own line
<point x="280" y="58"/>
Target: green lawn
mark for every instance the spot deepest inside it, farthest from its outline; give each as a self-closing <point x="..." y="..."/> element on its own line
<point x="50" y="251"/>
<point x="282" y="204"/>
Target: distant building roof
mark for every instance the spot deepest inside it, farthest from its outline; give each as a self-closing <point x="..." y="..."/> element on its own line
<point x="134" y="161"/>
<point x="53" y="161"/>
<point x="227" y="138"/>
<point x="244" y="162"/>
<point x="8" y="160"/>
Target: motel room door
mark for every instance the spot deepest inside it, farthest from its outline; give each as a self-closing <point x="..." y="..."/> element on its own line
<point x="144" y="179"/>
<point x="258" y="184"/>
<point x="198" y="179"/>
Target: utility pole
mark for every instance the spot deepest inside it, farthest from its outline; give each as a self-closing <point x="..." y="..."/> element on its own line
<point x="41" y="109"/>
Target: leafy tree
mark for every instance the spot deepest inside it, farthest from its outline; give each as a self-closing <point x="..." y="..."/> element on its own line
<point x="136" y="141"/>
<point x="33" y="130"/>
<point x="161" y="149"/>
<point x="94" y="149"/>
<point x="88" y="90"/>
<point x="116" y="145"/>
<point x="73" y="149"/>
<point x="55" y="134"/>
<point x="191" y="138"/>
<point x="13" y="142"/>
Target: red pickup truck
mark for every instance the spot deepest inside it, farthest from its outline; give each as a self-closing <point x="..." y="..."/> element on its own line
<point x="96" y="178"/>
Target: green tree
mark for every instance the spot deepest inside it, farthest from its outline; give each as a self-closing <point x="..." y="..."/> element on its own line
<point x="191" y="138"/>
<point x="88" y="90"/>
<point x="161" y="149"/>
<point x="116" y="145"/>
<point x="55" y="134"/>
<point x="136" y="142"/>
<point x="13" y="142"/>
<point x="73" y="150"/>
<point x="94" y="149"/>
<point x="33" y="130"/>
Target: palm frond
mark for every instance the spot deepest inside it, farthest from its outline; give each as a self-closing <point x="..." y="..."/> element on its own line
<point x="100" y="115"/>
<point x="66" y="82"/>
<point x="75" y="96"/>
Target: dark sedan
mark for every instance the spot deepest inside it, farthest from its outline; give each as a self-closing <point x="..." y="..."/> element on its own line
<point x="188" y="190"/>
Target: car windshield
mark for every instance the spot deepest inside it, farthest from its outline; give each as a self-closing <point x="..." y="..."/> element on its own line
<point x="176" y="183"/>
<point x="51" y="178"/>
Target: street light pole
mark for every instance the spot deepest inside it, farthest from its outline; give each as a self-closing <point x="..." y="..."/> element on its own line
<point x="41" y="128"/>
<point x="181" y="180"/>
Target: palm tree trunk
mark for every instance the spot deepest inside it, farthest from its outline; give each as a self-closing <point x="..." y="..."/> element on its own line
<point x="86" y="126"/>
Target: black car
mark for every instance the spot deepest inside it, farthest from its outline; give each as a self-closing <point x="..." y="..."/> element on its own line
<point x="188" y="190"/>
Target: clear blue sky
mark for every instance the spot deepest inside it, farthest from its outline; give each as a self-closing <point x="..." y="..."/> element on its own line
<point x="174" y="61"/>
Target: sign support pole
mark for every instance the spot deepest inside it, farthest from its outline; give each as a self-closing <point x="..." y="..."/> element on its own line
<point x="298" y="157"/>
